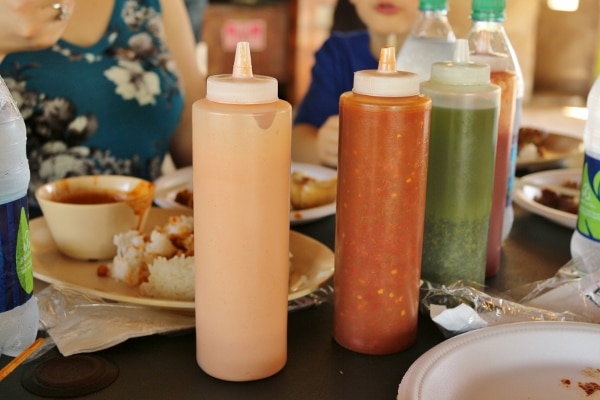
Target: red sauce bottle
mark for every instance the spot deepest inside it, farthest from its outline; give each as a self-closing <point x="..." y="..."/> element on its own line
<point x="382" y="179"/>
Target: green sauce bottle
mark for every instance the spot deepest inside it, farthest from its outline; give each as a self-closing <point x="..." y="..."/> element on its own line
<point x="460" y="176"/>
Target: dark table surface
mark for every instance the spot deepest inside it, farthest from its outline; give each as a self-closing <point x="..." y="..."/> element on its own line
<point x="164" y="366"/>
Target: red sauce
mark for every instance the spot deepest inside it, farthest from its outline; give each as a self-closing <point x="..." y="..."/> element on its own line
<point x="382" y="178"/>
<point x="589" y="387"/>
<point x="507" y="81"/>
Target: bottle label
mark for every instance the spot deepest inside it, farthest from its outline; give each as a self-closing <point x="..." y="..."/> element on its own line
<point x="588" y="219"/>
<point x="16" y="265"/>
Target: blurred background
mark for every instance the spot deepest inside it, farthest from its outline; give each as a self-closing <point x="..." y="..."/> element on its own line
<point x="556" y="42"/>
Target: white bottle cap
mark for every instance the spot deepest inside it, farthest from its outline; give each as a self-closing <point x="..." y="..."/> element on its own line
<point x="460" y="71"/>
<point x="241" y="87"/>
<point x="386" y="81"/>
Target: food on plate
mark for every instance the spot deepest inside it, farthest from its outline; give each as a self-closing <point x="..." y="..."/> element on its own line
<point x="561" y="202"/>
<point x="185" y="197"/>
<point x="531" y="143"/>
<point x="308" y="192"/>
<point x="160" y="263"/>
<point x="305" y="192"/>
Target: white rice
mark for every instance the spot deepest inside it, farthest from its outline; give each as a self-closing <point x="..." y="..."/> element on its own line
<point x="170" y="279"/>
<point x="157" y="262"/>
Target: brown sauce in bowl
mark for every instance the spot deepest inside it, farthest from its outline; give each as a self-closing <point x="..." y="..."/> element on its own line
<point x="92" y="197"/>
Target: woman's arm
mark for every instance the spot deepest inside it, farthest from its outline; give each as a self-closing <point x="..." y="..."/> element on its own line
<point x="180" y="40"/>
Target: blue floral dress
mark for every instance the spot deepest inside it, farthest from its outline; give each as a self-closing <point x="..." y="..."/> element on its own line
<point x="110" y="108"/>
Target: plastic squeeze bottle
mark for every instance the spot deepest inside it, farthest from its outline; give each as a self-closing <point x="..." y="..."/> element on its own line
<point x="382" y="178"/>
<point x="460" y="176"/>
<point x="431" y="39"/>
<point x="19" y="313"/>
<point x="489" y="45"/>
<point x="585" y="242"/>
<point x="241" y="170"/>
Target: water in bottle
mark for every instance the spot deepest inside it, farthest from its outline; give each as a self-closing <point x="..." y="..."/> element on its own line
<point x="19" y="312"/>
<point x="431" y="39"/>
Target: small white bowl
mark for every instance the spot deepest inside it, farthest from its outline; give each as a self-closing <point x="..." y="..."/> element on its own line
<point x="85" y="231"/>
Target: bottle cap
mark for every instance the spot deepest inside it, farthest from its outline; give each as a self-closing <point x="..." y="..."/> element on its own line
<point x="386" y="81"/>
<point x="460" y="71"/>
<point x="9" y="111"/>
<point x="431" y="5"/>
<point x="241" y="87"/>
<point x="488" y="10"/>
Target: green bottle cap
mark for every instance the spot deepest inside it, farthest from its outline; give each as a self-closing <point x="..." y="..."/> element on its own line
<point x="432" y="5"/>
<point x="488" y="10"/>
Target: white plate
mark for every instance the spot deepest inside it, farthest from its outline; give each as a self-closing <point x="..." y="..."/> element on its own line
<point x="526" y="360"/>
<point x="312" y="265"/>
<point x="558" y="148"/>
<point x="167" y="187"/>
<point x="524" y="196"/>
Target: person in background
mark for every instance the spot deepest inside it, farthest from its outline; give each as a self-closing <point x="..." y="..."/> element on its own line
<point x="345" y="18"/>
<point x="316" y="124"/>
<point x="105" y="87"/>
<point x="196" y="10"/>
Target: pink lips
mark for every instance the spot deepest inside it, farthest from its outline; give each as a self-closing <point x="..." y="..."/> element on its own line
<point x="386" y="8"/>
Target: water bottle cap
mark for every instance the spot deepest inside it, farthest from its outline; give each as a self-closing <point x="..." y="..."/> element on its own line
<point x="431" y="5"/>
<point x="386" y="81"/>
<point x="488" y="10"/>
<point x="460" y="71"/>
<point x="242" y="86"/>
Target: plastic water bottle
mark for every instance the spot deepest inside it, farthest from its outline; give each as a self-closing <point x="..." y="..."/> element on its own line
<point x="431" y="39"/>
<point x="19" y="312"/>
<point x="586" y="238"/>
<point x="490" y="45"/>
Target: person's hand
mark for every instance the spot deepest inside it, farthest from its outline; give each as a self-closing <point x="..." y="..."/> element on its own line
<point x="32" y="24"/>
<point x="327" y="141"/>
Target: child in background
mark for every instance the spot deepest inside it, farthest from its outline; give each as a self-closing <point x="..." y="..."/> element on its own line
<point x="315" y="131"/>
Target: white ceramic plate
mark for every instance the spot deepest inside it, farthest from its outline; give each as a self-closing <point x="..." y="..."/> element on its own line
<point x="558" y="147"/>
<point x="524" y="196"/>
<point x="312" y="265"/>
<point x="167" y="187"/>
<point x="526" y="360"/>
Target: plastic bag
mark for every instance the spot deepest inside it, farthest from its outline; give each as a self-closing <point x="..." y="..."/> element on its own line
<point x="465" y="306"/>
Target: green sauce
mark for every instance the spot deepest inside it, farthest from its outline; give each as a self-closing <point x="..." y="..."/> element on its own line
<point x="459" y="194"/>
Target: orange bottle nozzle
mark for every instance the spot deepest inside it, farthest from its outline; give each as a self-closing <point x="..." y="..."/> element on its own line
<point x="387" y="59"/>
<point x="242" y="64"/>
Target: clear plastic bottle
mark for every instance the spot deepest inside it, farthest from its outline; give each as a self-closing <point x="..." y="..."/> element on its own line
<point x="19" y="314"/>
<point x="585" y="242"/>
<point x="462" y="144"/>
<point x="241" y="173"/>
<point x="490" y="45"/>
<point x="431" y="40"/>
<point x="382" y="179"/>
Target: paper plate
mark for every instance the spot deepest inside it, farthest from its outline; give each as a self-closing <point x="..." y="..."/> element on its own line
<point x="528" y="360"/>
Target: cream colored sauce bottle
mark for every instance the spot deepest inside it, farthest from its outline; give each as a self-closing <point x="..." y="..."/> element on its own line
<point x="242" y="160"/>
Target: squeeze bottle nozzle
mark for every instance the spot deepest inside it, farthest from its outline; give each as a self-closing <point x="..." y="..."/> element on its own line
<point x="242" y="86"/>
<point x="387" y="60"/>
<point x="242" y="64"/>
<point x="460" y="71"/>
<point x="461" y="51"/>
<point x="386" y="80"/>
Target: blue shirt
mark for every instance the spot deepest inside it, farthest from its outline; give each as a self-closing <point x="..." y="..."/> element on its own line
<point x="336" y="61"/>
<point x="110" y="108"/>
